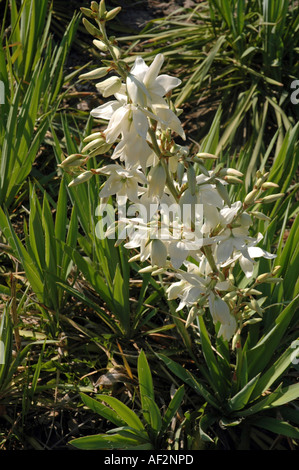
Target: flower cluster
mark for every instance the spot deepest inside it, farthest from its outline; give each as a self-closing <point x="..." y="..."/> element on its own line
<point x="179" y="217"/>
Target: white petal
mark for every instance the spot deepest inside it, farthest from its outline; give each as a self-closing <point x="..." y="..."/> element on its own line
<point x="117" y="124"/>
<point x="228" y="213"/>
<point x="246" y="266"/>
<point x="140" y="122"/>
<point x="139" y="68"/>
<point x="112" y="186"/>
<point x="153" y="70"/>
<point x="132" y="190"/>
<point x="224" y="250"/>
<point x="178" y="253"/>
<point x="227" y="330"/>
<point x="171" y="120"/>
<point x="136" y="90"/>
<point x="167" y="83"/>
<point x="257" y="252"/>
<point x="105" y="111"/>
<point x="175" y="290"/>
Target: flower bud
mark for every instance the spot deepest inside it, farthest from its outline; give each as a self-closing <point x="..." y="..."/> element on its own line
<point x="110" y="15"/>
<point x="251" y="291"/>
<point x="230" y="172"/>
<point x="193" y="313"/>
<point x="233" y="179"/>
<point x="157" y="181"/>
<point x="134" y="258"/>
<point x="269" y="184"/>
<point x="102" y="9"/>
<point x="95" y="135"/>
<point x="207" y="156"/>
<point x="100" y="45"/>
<point x="262" y="277"/>
<point x="236" y="341"/>
<point x="97" y="73"/>
<point x="250" y="197"/>
<point x="158" y="271"/>
<point x="148" y="269"/>
<point x="255" y="306"/>
<point x="173" y="164"/>
<point x="81" y="178"/>
<point x="271" y="198"/>
<point x="94" y="6"/>
<point x="260" y="215"/>
<point x="109" y="87"/>
<point x="116" y="51"/>
<point x="275" y="270"/>
<point x="273" y="280"/>
<point x="97" y="143"/>
<point x="87" y="12"/>
<point x="230" y="295"/>
<point x="100" y="150"/>
<point x="73" y="160"/>
<point x="202" y="168"/>
<point x="158" y="253"/>
<point x="91" y="29"/>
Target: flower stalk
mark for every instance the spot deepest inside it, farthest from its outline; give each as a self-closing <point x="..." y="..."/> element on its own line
<point x="186" y="221"/>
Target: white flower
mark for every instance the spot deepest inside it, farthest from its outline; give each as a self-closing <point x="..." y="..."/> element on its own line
<point x="220" y="313"/>
<point x="146" y="89"/>
<point x="144" y="85"/>
<point x="158" y="253"/>
<point x="133" y="150"/>
<point x="227" y="330"/>
<point x="157" y="180"/>
<point x="122" y="182"/>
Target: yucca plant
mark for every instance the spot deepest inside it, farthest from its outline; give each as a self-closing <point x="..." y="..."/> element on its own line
<point x="41" y="254"/>
<point x="147" y="429"/>
<point x="31" y="72"/>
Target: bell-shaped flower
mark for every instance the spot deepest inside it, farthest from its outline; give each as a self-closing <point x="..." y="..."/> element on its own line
<point x="227" y="330"/>
<point x="157" y="180"/>
<point x="158" y="253"/>
<point x="220" y="313"/>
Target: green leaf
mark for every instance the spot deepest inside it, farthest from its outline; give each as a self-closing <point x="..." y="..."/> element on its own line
<point x="273" y="373"/>
<point x="189" y="379"/>
<point x="145" y="386"/>
<point x="288" y="394"/>
<point x="173" y="407"/>
<point x="152" y="414"/>
<point x="32" y="272"/>
<point x="217" y="381"/>
<point x="278" y="427"/>
<point x="107" y="441"/>
<point x="259" y="356"/>
<point x="127" y="415"/>
<point x="102" y="410"/>
<point x="239" y="400"/>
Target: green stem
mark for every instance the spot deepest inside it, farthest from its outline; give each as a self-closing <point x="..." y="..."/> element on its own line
<point x="158" y="152"/>
<point x="120" y="70"/>
<point x="208" y="253"/>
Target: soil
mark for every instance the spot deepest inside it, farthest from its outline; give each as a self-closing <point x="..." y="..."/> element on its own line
<point x="138" y="14"/>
